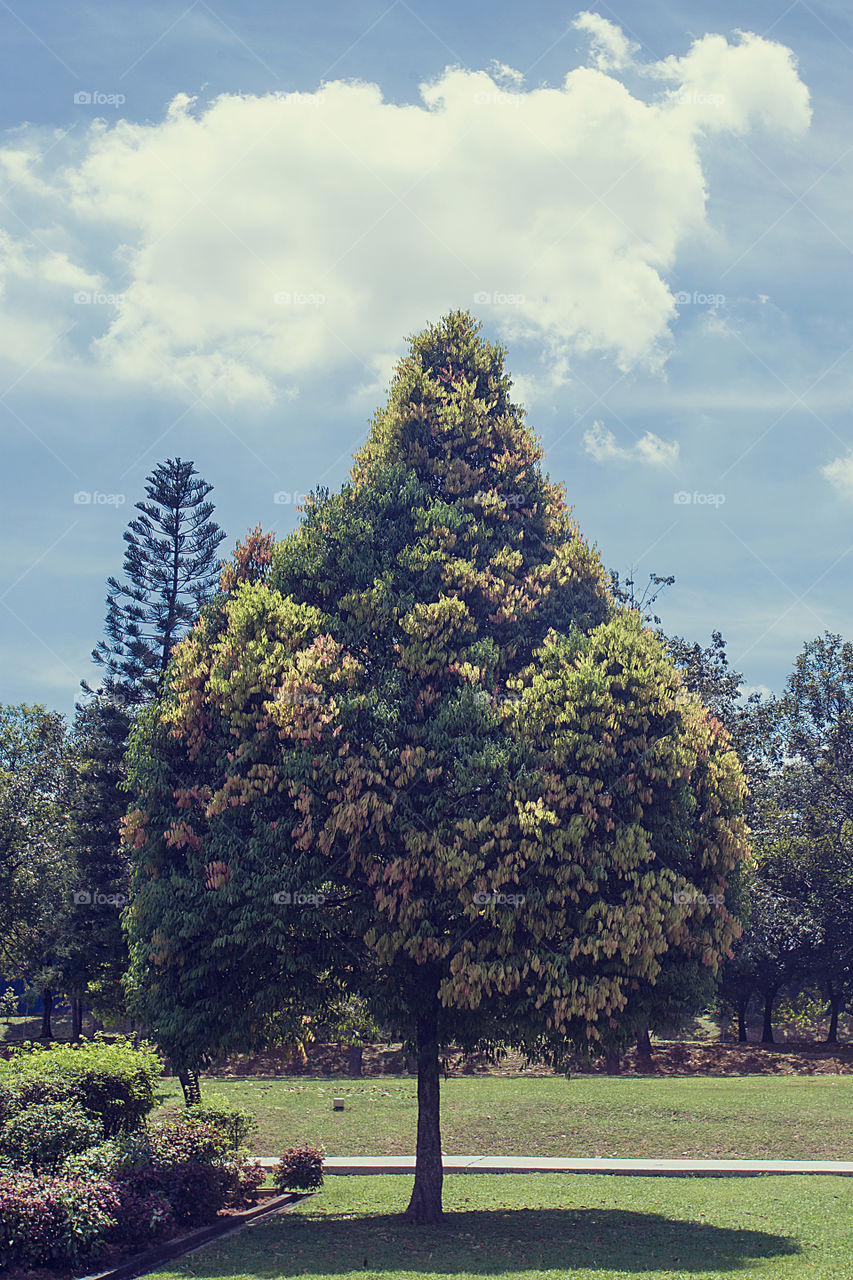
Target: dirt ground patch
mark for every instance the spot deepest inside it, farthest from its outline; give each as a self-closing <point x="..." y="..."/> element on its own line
<point x="668" y="1058"/>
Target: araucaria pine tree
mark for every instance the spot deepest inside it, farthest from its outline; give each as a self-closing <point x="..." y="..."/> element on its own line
<point x="171" y="567"/>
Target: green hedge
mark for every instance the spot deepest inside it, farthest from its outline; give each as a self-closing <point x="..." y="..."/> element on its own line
<point x="113" y="1081"/>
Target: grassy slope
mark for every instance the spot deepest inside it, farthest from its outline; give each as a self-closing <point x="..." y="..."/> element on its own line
<point x="750" y="1117"/>
<point x="563" y="1228"/>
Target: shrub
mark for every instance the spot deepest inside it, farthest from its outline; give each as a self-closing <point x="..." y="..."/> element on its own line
<point x="113" y="1081"/>
<point x="234" y="1123"/>
<point x="46" y="1221"/>
<point x="188" y="1167"/>
<point x="109" y="1158"/>
<point x="299" y="1169"/>
<point x="247" y="1177"/>
<point x="183" y="1164"/>
<point x="18" y="1094"/>
<point x="131" y="1190"/>
<point x="143" y="1217"/>
<point x="41" y="1136"/>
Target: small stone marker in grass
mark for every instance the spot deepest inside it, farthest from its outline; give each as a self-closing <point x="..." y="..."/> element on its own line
<point x="337" y="1104"/>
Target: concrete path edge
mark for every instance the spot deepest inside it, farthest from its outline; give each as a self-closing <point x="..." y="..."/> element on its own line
<point x="339" y="1165"/>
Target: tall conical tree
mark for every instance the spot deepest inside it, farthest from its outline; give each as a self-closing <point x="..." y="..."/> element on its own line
<point x="432" y="720"/>
<point x="95" y="949"/>
<point x="171" y="568"/>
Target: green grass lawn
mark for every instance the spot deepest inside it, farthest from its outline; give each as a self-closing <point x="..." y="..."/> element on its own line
<point x="751" y="1117"/>
<point x="28" y="1026"/>
<point x="534" y="1227"/>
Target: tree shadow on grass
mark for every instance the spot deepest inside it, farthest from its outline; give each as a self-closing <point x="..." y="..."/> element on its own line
<point x="500" y="1242"/>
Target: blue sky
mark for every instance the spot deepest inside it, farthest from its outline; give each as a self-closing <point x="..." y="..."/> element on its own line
<point x="218" y="223"/>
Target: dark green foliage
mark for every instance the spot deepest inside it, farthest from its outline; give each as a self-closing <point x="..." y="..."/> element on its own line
<point x="34" y="871"/>
<point x="41" y="1135"/>
<point x="817" y="731"/>
<point x="799" y="894"/>
<point x="171" y="567"/>
<point x="94" y="947"/>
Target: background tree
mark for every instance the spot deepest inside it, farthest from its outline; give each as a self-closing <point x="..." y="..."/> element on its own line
<point x="778" y="939"/>
<point x="736" y="983"/>
<point x="95" y="949"/>
<point x="827" y="872"/>
<point x="797" y="751"/>
<point x="684" y="986"/>
<point x="34" y="869"/>
<point x="625" y="591"/>
<point x="171" y="568"/>
<point x="707" y="673"/>
<point x="816" y="781"/>
<point x="432" y="720"/>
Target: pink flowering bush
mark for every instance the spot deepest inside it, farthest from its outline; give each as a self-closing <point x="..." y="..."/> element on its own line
<point x="53" y="1220"/>
<point x="131" y="1190"/>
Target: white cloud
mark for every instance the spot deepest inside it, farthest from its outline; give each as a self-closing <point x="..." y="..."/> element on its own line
<point x="724" y="86"/>
<point x="610" y="48"/>
<point x="601" y="445"/>
<point x="501" y="71"/>
<point x="746" y="690"/>
<point x="31" y="276"/>
<point x="564" y="207"/>
<point x="840" y="474"/>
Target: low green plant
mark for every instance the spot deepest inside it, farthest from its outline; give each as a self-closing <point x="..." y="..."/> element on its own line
<point x="804" y="1010"/>
<point x="40" y="1137"/>
<point x="234" y="1123"/>
<point x="182" y="1163"/>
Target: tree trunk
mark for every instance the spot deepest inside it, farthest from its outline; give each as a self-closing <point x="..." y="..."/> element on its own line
<point x="191" y="1087"/>
<point x="644" y="1049"/>
<point x="47" y="1009"/>
<point x="834" y="1007"/>
<point x="767" y="1032"/>
<point x="613" y="1064"/>
<point x="425" y="1204"/>
<point x="742" y="1037"/>
<point x="355" y="1055"/>
<point x="76" y="1014"/>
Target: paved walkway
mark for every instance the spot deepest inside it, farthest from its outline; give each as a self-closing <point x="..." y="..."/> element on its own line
<point x="552" y="1164"/>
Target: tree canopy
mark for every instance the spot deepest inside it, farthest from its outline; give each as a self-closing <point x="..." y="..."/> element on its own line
<point x="417" y="751"/>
